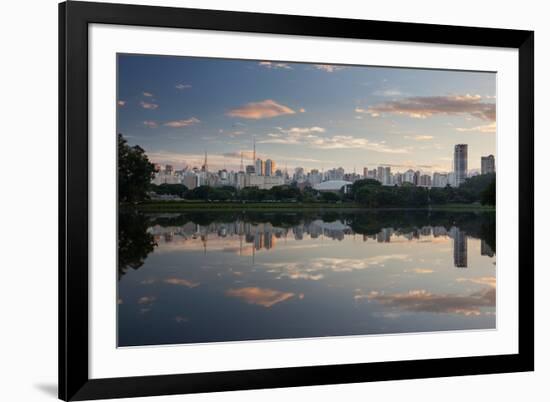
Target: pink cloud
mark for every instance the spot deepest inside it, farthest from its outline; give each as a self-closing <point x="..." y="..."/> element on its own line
<point x="181" y="282"/>
<point x="260" y="296"/>
<point x="422" y="107"/>
<point x="261" y="110"/>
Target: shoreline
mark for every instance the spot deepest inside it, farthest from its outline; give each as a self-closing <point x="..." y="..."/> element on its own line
<point x="183" y="206"/>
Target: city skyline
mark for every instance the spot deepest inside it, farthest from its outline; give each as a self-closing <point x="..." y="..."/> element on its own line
<point x="264" y="174"/>
<point x="303" y="115"/>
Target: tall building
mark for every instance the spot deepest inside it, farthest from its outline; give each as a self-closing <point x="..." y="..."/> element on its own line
<point x="387" y="176"/>
<point x="260" y="167"/>
<point x="299" y="175"/>
<point x="408" y="176"/>
<point x="425" y="180"/>
<point x="365" y="172"/>
<point x="487" y="164"/>
<point x="380" y="174"/>
<point x="440" y="179"/>
<point x="460" y="162"/>
<point x="269" y="167"/>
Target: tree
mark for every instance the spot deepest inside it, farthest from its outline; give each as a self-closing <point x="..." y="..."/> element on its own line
<point x="169" y="189"/>
<point x="329" y="196"/>
<point x="488" y="196"/>
<point x="135" y="172"/>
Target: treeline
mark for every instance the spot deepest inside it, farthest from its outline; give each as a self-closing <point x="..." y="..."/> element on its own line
<point x="284" y="193"/>
<point x="369" y="193"/>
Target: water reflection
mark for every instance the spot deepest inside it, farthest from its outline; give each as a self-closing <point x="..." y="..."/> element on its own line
<point x="208" y="277"/>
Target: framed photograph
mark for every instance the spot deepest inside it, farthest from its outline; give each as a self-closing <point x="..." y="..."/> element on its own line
<point x="257" y="201"/>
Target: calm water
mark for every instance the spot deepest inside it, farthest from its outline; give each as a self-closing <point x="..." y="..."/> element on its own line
<point x="212" y="277"/>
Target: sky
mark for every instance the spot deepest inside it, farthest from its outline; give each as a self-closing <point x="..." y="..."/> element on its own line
<point x="315" y="116"/>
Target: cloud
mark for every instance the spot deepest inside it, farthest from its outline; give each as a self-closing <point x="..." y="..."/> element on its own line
<point x="247" y="154"/>
<point x="260" y="296"/>
<point x="182" y="123"/>
<point x="422" y="107"/>
<point x="148" y="105"/>
<point x="309" y="136"/>
<point x="148" y="94"/>
<point x="183" y="86"/>
<point x="388" y="92"/>
<point x="273" y="65"/>
<point x="367" y="111"/>
<point x="419" y="137"/>
<point x="150" y="124"/>
<point x="302" y="110"/>
<point x="121" y="103"/>
<point x="485" y="128"/>
<point x="261" y="110"/>
<point x="424" y="301"/>
<point x="329" y="68"/>
<point x="181" y="282"/>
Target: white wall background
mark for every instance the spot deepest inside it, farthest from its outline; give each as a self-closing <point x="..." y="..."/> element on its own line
<point x="28" y="198"/>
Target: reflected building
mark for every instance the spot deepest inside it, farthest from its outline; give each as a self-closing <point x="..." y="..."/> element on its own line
<point x="486" y="249"/>
<point x="262" y="236"/>
<point x="460" y="248"/>
<point x="384" y="235"/>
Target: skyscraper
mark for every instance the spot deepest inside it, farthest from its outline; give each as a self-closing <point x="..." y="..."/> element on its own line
<point x="260" y="167"/>
<point x="380" y="174"/>
<point x="269" y="167"/>
<point x="387" y="176"/>
<point x="487" y="164"/>
<point x="460" y="163"/>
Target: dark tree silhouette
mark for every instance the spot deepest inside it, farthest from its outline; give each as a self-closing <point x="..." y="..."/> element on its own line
<point x="134" y="242"/>
<point x="135" y="172"/>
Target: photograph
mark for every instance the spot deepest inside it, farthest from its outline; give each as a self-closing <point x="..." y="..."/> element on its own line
<point x="271" y="200"/>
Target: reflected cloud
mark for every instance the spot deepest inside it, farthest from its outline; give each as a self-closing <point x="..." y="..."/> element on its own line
<point x="484" y="280"/>
<point x="316" y="268"/>
<point x="181" y="282"/>
<point x="260" y="296"/>
<point x="420" y="271"/>
<point x="424" y="301"/>
<point x="146" y="299"/>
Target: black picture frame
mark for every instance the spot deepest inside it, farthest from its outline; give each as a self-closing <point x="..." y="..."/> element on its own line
<point x="74" y="380"/>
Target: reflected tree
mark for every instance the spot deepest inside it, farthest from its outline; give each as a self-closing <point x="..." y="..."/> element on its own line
<point x="480" y="225"/>
<point x="134" y="242"/>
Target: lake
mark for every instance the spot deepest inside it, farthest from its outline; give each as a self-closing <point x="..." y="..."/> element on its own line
<point x="218" y="276"/>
